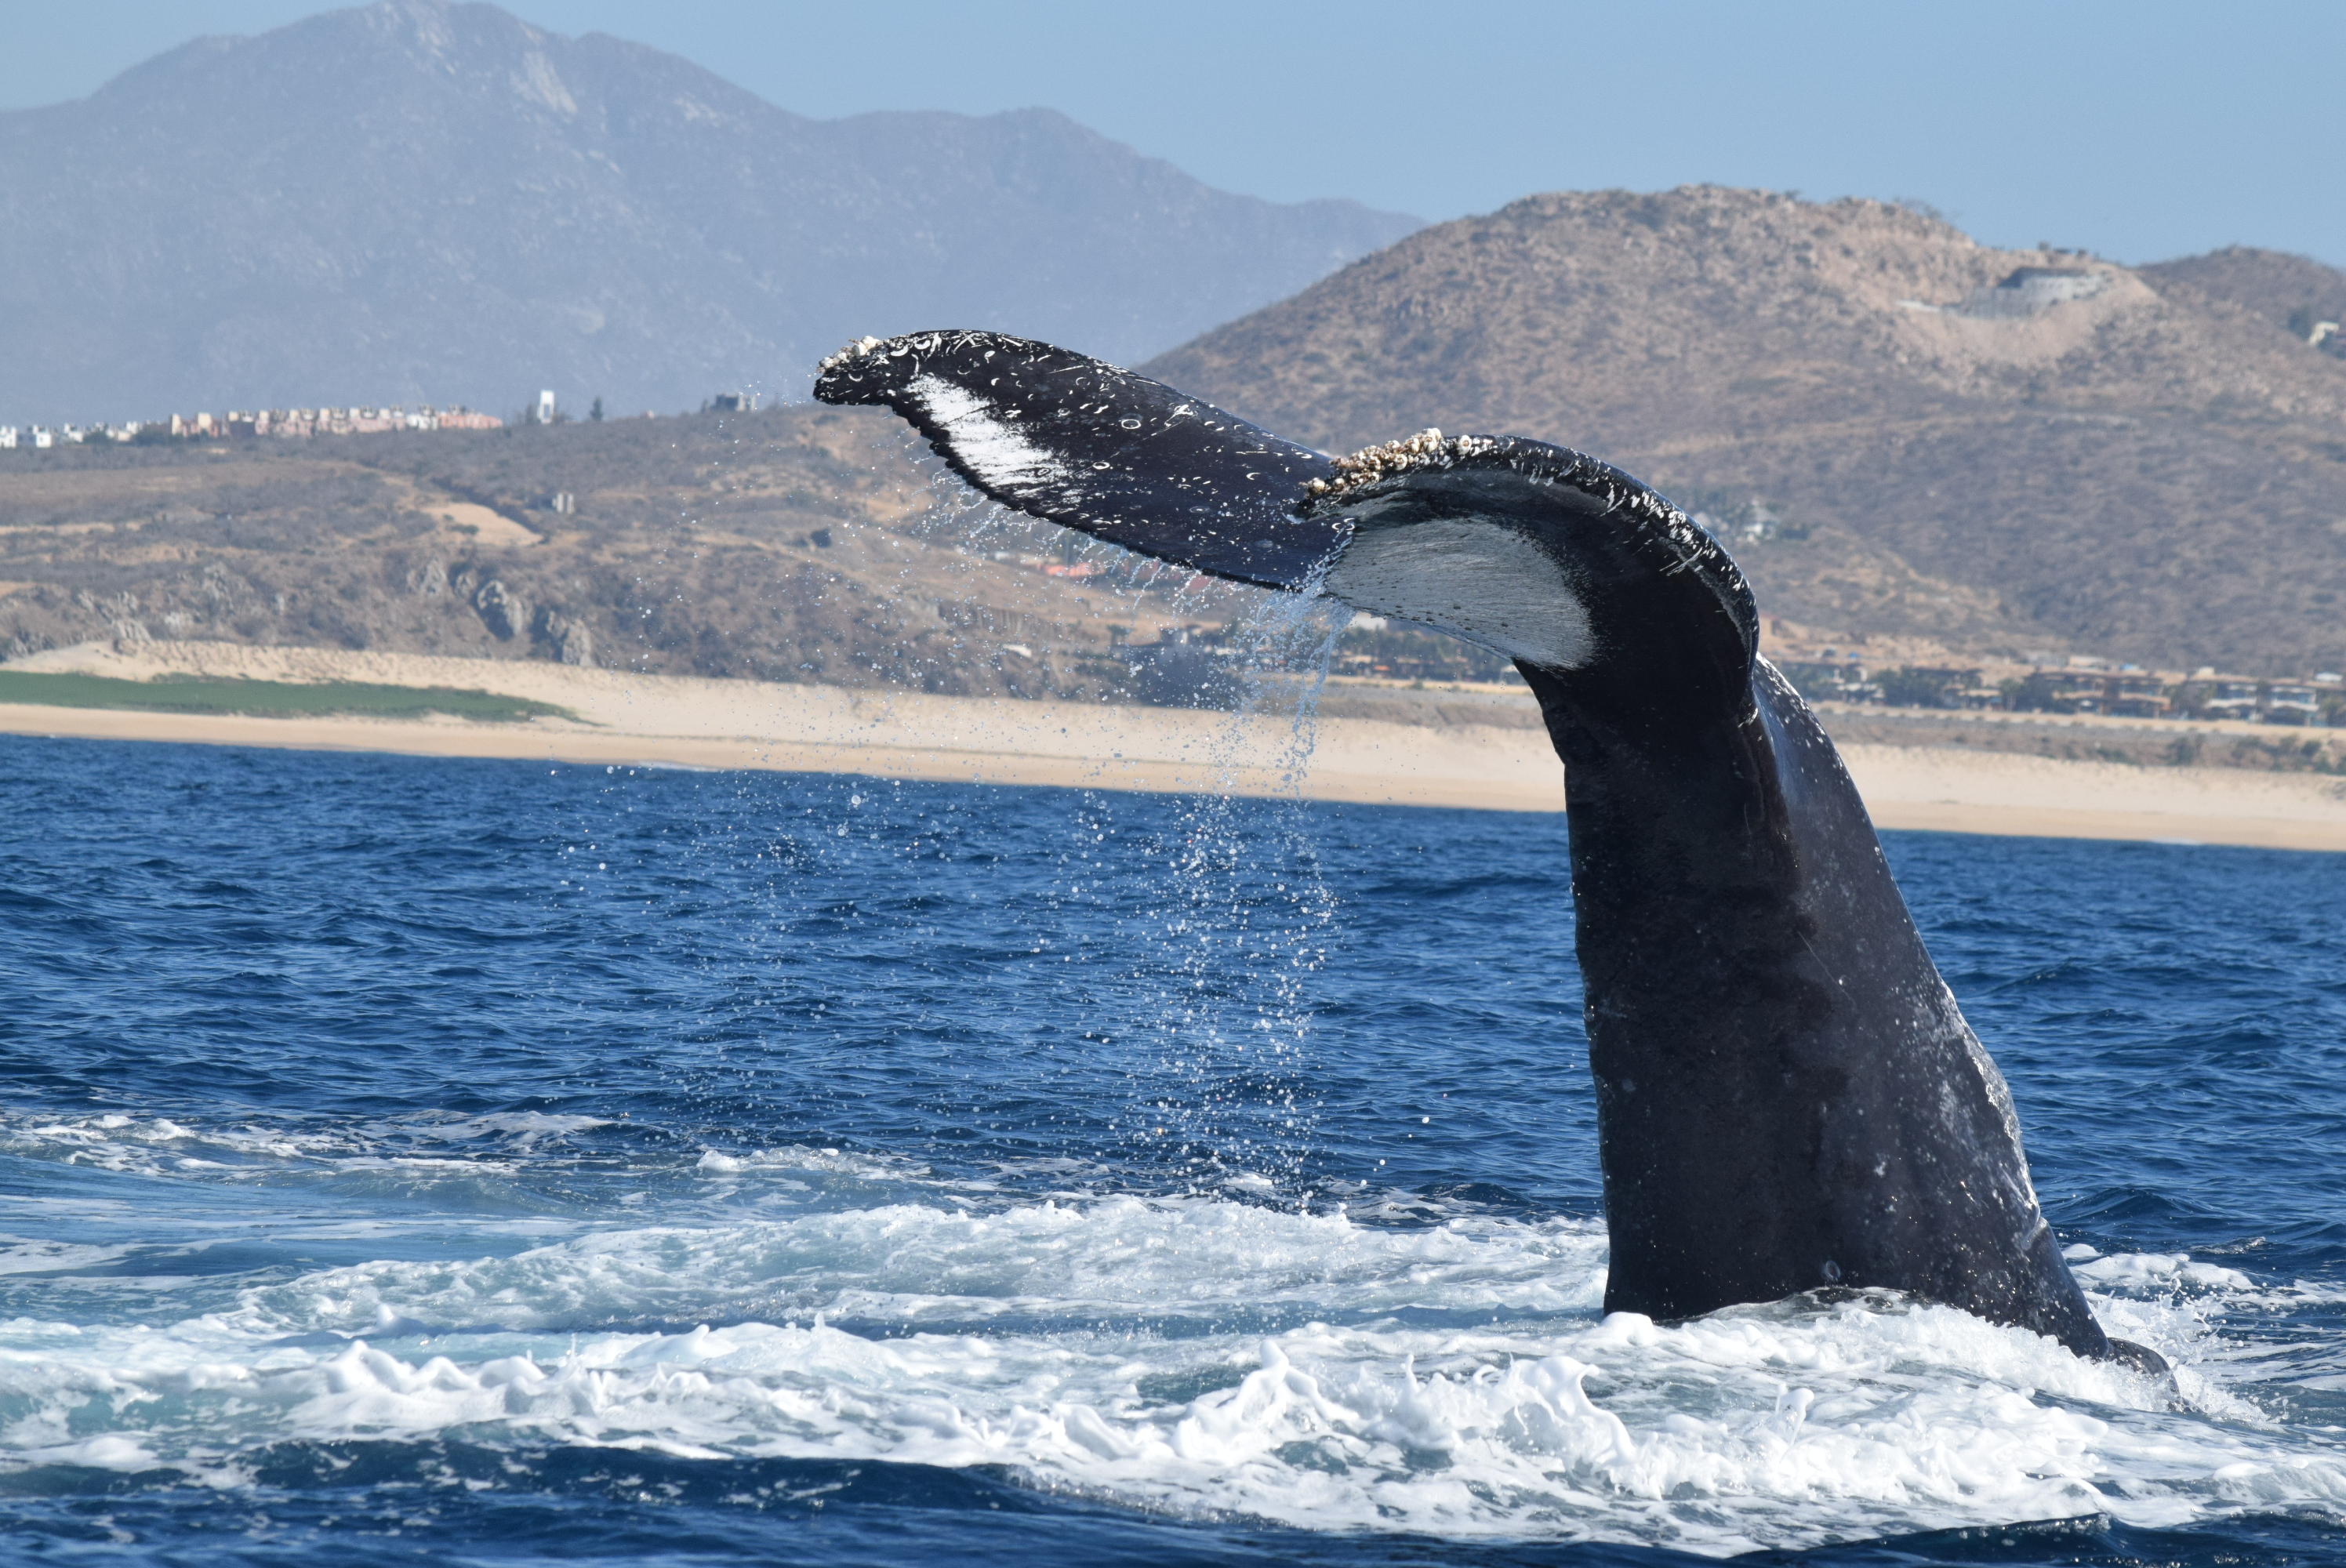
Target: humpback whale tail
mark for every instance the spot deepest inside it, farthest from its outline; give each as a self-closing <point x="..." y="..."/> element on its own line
<point x="1788" y="1098"/>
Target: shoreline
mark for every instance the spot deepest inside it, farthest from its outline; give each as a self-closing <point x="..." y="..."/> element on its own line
<point x="630" y="719"/>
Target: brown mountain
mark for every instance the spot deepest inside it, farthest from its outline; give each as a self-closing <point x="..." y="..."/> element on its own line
<point x="2291" y="291"/>
<point x="792" y="543"/>
<point x="1902" y="430"/>
<point x="415" y="201"/>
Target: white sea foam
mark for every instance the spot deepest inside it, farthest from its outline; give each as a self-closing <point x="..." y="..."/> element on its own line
<point x="2139" y="1271"/>
<point x="912" y="1263"/>
<point x="29" y="1254"/>
<point x="872" y="1168"/>
<point x="156" y="1146"/>
<point x="1201" y="1357"/>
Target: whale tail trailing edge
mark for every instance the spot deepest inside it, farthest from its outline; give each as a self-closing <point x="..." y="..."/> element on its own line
<point x="1788" y="1096"/>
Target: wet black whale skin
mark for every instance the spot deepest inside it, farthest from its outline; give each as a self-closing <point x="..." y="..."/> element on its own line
<point x="1789" y="1099"/>
<point x="1141" y="465"/>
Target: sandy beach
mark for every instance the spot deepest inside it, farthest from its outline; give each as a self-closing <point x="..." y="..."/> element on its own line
<point x="625" y="718"/>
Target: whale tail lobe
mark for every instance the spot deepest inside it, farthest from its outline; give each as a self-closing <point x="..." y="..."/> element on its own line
<point x="1089" y="446"/>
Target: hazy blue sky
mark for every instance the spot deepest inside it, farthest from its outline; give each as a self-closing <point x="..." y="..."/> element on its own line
<point x="2141" y="131"/>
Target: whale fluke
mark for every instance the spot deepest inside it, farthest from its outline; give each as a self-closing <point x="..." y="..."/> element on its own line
<point x="1093" y="447"/>
<point x="1788" y="1098"/>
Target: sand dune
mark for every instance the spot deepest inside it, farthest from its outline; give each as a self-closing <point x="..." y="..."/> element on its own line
<point x="623" y="717"/>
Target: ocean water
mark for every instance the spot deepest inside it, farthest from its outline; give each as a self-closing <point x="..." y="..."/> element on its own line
<point x="492" y="1162"/>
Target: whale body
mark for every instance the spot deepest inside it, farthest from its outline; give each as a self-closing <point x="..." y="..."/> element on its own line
<point x="1788" y="1098"/>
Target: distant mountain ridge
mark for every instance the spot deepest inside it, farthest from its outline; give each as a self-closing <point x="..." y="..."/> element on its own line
<point x="2010" y="450"/>
<point x="420" y="201"/>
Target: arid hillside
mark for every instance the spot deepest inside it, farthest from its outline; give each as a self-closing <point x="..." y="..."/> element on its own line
<point x="799" y="543"/>
<point x="1899" y="430"/>
<point x="2294" y="292"/>
<point x="1953" y="452"/>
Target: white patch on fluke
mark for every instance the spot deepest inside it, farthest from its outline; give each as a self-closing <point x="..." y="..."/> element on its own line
<point x="988" y="445"/>
<point x="1481" y="581"/>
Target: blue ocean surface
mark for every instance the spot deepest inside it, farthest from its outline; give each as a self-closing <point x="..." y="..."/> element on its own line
<point x="413" y="1160"/>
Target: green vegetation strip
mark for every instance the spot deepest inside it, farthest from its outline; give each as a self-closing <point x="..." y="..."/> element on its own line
<point x="273" y="698"/>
